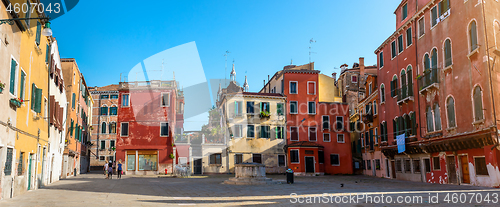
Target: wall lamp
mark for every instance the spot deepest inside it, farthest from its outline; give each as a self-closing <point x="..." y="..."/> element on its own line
<point x="46" y="29"/>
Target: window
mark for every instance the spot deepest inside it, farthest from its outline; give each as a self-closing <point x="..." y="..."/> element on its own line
<point x="326" y="122"/>
<point x="377" y="164"/>
<point x="164" y="130"/>
<point x="400" y="44"/>
<point x="436" y="163"/>
<point x="165" y="99"/>
<point x="321" y="157"/>
<point x="427" y="62"/>
<point x="265" y="132"/>
<point x="293" y="107"/>
<point x="257" y="158"/>
<point x="393" y="49"/>
<point x="394" y="86"/>
<point x="279" y="132"/>
<point x="73" y="100"/>
<point x="382" y="93"/>
<point x="375" y="107"/>
<point x="450" y="110"/>
<point x="114" y="96"/>
<point x="421" y="27"/>
<point x="408" y="37"/>
<point x="444" y="6"/>
<point x="339" y="123"/>
<point x="250" y="131"/>
<point x="238" y="131"/>
<point x="369" y="88"/>
<point x="238" y="108"/>
<point x="20" y="167"/>
<point x="102" y="158"/>
<point x="71" y="128"/>
<point x="416" y="166"/>
<point x="407" y="165"/>
<point x="404" y="12"/>
<point x="8" y="162"/>
<point x="430" y="121"/>
<point x="38" y="32"/>
<point x="434" y="59"/>
<point x="111" y="158"/>
<point x="335" y="159"/>
<point x="472" y="36"/>
<point x="376" y="136"/>
<point x="368" y="165"/>
<point x="398" y="165"/>
<point x="312" y="134"/>
<point x="447" y="53"/>
<point x="478" y="104"/>
<point x="381" y="59"/>
<point x="23" y="85"/>
<point x="264" y="107"/>
<point x="103" y="128"/>
<point x="311" y="87"/>
<point x="131" y="162"/>
<point x="113" y="111"/>
<point x="104" y="110"/>
<point x="124" y="129"/>
<point x="250" y="107"/>
<point x="280" y="109"/>
<point x="434" y="16"/>
<point x="104" y="97"/>
<point x="112" y="128"/>
<point x="340" y="138"/>
<point x="238" y="158"/>
<point x="294" y="156"/>
<point x="215" y="159"/>
<point x="427" y="165"/>
<point x="293" y="87"/>
<point x="437" y="117"/>
<point x="480" y="165"/>
<point x="311" y="107"/>
<point x="103" y="145"/>
<point x="326" y="137"/>
<point x="125" y="100"/>
<point x="354" y="79"/>
<point x="294" y="133"/>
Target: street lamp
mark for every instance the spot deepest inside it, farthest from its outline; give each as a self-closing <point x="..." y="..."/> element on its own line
<point x="46" y="30"/>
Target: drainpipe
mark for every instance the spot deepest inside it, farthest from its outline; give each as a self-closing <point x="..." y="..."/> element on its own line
<point x="417" y="64"/>
<point x="489" y="74"/>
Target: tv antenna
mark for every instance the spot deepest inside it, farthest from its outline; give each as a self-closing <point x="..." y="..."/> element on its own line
<point x="310" y="48"/>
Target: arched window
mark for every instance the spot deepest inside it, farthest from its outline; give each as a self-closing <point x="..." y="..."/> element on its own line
<point x="375" y="107"/>
<point x="382" y="93"/>
<point x="437" y="117"/>
<point x="104" y="110"/>
<point x="434" y="59"/>
<point x="394" y="85"/>
<point x="403" y="78"/>
<point x="103" y="128"/>
<point x="413" y="122"/>
<point x="450" y="110"/>
<point x="395" y="127"/>
<point x="478" y="104"/>
<point x="430" y="119"/>
<point x="427" y="62"/>
<point x="112" y="128"/>
<point x="472" y="36"/>
<point x="447" y="53"/>
<point x="406" y="127"/>
<point x="409" y="74"/>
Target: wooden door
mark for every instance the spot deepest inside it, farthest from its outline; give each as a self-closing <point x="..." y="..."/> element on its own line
<point x="465" y="169"/>
<point x="309" y="164"/>
<point x="393" y="169"/>
<point x="452" y="171"/>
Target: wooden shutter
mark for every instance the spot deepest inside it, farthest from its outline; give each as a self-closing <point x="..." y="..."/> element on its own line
<point x="52" y="109"/>
<point x="38" y="100"/>
<point x="38" y="32"/>
<point x="12" y="76"/>
<point x="32" y="100"/>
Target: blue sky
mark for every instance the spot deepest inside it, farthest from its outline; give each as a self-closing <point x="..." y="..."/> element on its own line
<point x="108" y="38"/>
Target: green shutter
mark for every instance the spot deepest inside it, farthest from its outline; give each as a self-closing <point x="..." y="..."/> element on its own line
<point x="261" y="106"/>
<point x="47" y="54"/>
<point x="23" y="80"/>
<point x="73" y="101"/>
<point x="32" y="101"/>
<point x="71" y="128"/>
<point x="38" y="32"/>
<point x="12" y="76"/>
<point x="235" y="108"/>
<point x="38" y="100"/>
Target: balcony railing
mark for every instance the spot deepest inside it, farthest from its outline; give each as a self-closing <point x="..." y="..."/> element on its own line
<point x="405" y="93"/>
<point x="429" y="80"/>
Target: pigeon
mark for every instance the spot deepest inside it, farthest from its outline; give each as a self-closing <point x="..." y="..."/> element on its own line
<point x="341" y="185"/>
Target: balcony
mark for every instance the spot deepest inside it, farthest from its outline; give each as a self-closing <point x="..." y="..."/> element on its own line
<point x="405" y="93"/>
<point x="367" y="117"/>
<point x="428" y="81"/>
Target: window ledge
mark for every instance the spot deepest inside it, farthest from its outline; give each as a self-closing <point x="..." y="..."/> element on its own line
<point x="448" y="68"/>
<point x="478" y="122"/>
<point x="473" y="52"/>
<point x="451" y="128"/>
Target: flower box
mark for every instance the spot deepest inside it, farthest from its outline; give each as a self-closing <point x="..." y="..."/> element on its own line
<point x="264" y="114"/>
<point x="16" y="102"/>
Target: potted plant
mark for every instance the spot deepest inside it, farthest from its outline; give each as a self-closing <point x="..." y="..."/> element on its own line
<point x="171" y="156"/>
<point x="2" y="86"/>
<point x="17" y="102"/>
<point x="264" y="114"/>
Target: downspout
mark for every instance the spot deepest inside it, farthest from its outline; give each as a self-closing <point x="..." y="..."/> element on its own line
<point x="489" y="74"/>
<point x="417" y="64"/>
<point x="98" y="125"/>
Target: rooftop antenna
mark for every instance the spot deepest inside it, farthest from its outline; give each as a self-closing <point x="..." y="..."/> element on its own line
<point x="291" y="61"/>
<point x="225" y="70"/>
<point x="310" y="48"/>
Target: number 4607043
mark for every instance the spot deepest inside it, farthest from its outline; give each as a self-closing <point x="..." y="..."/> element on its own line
<point x="32" y="7"/>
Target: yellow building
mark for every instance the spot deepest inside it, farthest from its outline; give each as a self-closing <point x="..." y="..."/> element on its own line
<point x="32" y="123"/>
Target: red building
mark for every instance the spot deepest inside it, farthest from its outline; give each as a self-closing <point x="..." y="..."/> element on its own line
<point x="317" y="137"/>
<point x="147" y="119"/>
<point x="450" y="128"/>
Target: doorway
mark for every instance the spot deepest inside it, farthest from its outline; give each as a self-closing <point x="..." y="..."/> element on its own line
<point x="309" y="164"/>
<point x="374" y="167"/>
<point x="197" y="164"/>
<point x="464" y="162"/>
<point x="393" y="169"/>
<point x="29" y="171"/>
<point x="452" y="171"/>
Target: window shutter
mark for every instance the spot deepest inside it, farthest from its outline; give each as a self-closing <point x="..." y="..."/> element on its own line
<point x="52" y="109"/>
<point x="12" y="75"/>
<point x="413" y="124"/>
<point x="73" y="101"/>
<point x="61" y="118"/>
<point x="47" y="53"/>
<point x="38" y="32"/>
<point x="32" y="101"/>
<point x="235" y="107"/>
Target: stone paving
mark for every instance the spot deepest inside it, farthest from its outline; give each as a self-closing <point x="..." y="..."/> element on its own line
<point x="94" y="190"/>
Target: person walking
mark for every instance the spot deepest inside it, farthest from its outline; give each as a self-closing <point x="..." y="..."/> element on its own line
<point x="106" y="170"/>
<point x="110" y="171"/>
<point x="120" y="169"/>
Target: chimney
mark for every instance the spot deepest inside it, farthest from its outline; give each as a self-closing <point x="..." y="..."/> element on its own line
<point x="361" y="67"/>
<point x="334" y="76"/>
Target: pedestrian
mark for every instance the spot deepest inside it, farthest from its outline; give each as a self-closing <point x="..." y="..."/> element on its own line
<point x="120" y="169"/>
<point x="114" y="167"/>
<point x="106" y="170"/>
<point x="110" y="171"/>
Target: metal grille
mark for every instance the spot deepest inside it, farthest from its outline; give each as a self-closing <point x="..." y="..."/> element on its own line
<point x="20" y="165"/>
<point x="8" y="163"/>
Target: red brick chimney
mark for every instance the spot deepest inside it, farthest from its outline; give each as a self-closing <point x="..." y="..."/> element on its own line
<point x="361" y="67"/>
